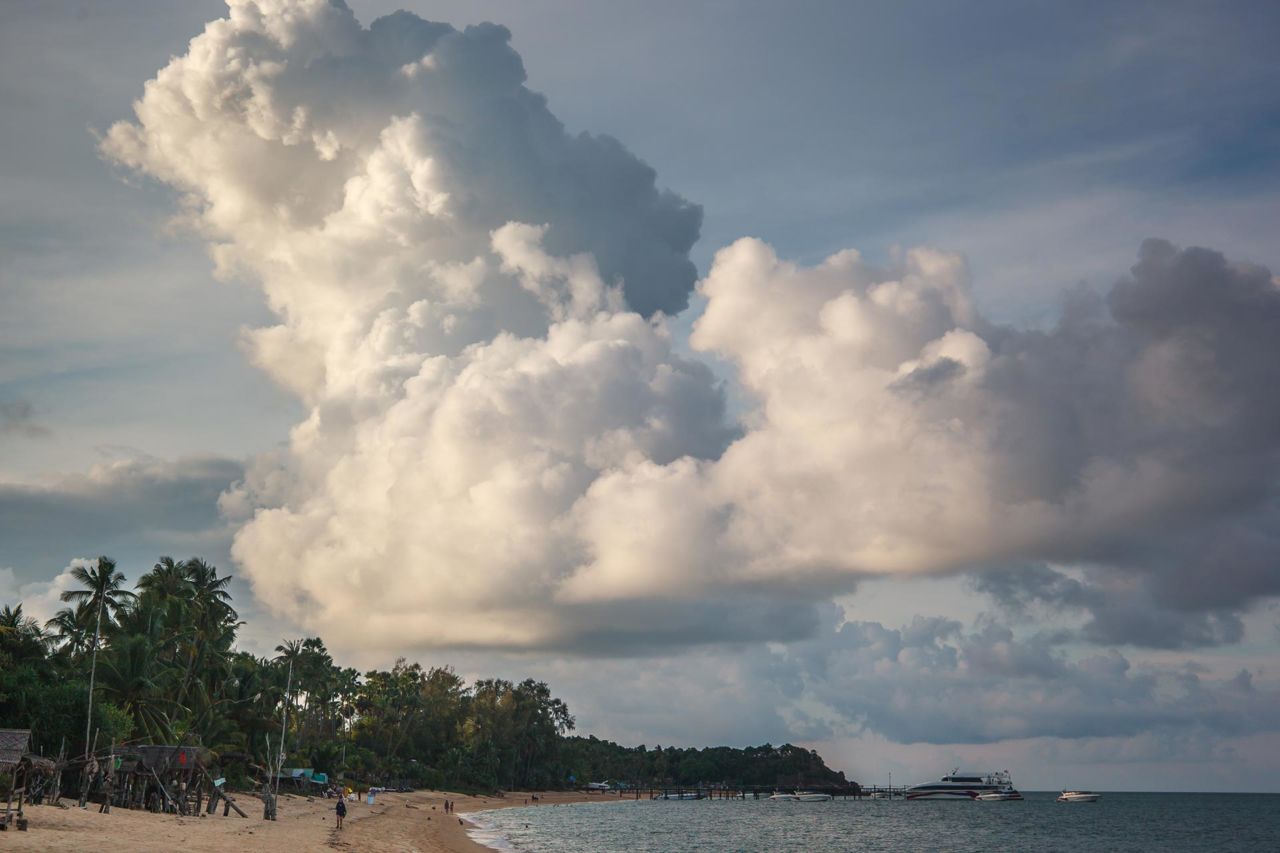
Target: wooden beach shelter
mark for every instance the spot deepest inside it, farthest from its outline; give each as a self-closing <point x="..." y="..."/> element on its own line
<point x="14" y="744"/>
<point x="162" y="777"/>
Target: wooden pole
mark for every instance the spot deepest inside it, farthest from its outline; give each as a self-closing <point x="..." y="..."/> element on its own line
<point x="284" y="719"/>
<point x="93" y="669"/>
<point x="87" y="778"/>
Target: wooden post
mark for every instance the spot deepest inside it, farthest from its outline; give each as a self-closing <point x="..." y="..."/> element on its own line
<point x="22" y="794"/>
<point x="226" y="798"/>
<point x="57" y="776"/>
<point x="89" y="761"/>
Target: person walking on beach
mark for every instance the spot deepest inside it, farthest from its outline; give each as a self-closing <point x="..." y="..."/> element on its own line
<point x="341" y="810"/>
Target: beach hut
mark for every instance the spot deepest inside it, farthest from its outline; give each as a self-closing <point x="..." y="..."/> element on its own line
<point x="300" y="777"/>
<point x="14" y="744"/>
<point x="159" y="777"/>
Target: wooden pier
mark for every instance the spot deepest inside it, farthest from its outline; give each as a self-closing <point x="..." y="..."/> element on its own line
<point x="750" y="792"/>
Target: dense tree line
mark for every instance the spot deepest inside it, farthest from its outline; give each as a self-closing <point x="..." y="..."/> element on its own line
<point x="165" y="669"/>
<point x="783" y="766"/>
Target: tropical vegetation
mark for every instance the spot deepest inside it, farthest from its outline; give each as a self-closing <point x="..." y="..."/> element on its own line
<point x="166" y="669"/>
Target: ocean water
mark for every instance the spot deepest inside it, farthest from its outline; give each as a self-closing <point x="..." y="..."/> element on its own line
<point x="1118" y="822"/>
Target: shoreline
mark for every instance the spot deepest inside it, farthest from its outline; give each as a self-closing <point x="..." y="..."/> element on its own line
<point x="435" y="832"/>
<point x="394" y="824"/>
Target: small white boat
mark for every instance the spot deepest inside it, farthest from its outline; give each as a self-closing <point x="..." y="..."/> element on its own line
<point x="881" y="795"/>
<point x="1004" y="792"/>
<point x="1001" y="796"/>
<point x="801" y="797"/>
<point x="1078" y="797"/>
<point x="678" y="795"/>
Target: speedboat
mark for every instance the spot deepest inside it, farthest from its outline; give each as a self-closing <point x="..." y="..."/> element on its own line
<point x="780" y="795"/>
<point x="957" y="786"/>
<point x="1078" y="797"/>
<point x="678" y="795"/>
<point x="812" y="797"/>
<point x="881" y="795"/>
<point x="1005" y="793"/>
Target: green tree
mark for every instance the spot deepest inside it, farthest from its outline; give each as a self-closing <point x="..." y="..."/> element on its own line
<point x="102" y="588"/>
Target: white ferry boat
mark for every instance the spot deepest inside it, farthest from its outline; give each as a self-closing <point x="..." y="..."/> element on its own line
<point x="957" y="786"/>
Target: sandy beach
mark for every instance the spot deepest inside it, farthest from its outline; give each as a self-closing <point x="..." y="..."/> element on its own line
<point x="396" y="823"/>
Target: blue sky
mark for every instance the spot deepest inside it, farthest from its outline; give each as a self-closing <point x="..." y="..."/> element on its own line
<point x="1043" y="142"/>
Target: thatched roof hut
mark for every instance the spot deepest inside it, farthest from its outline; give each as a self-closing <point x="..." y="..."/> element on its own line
<point x="14" y="743"/>
<point x="163" y="757"/>
<point x="39" y="764"/>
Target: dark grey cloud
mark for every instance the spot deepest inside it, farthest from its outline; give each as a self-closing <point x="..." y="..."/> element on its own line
<point x="934" y="681"/>
<point x="1176" y="362"/>
<point x="1122" y="605"/>
<point x="132" y="509"/>
<point x="18" y="417"/>
<point x="1173" y="372"/>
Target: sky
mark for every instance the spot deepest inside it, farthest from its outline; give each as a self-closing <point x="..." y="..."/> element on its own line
<point x="895" y="379"/>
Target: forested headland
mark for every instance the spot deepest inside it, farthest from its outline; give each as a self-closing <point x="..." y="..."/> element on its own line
<point x="166" y="671"/>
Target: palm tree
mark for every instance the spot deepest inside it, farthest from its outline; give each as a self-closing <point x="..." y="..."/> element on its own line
<point x="102" y="591"/>
<point x="102" y="587"/>
<point x="165" y="595"/>
<point x="210" y="592"/>
<point x="291" y="652"/>
<point x="132" y="679"/>
<point x="211" y="628"/>
<point x="22" y="640"/>
<point x="72" y="628"/>
<point x="14" y="621"/>
<point x="251" y="698"/>
<point x="166" y="580"/>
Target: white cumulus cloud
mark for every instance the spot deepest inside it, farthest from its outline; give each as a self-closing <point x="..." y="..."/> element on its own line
<point x="505" y="449"/>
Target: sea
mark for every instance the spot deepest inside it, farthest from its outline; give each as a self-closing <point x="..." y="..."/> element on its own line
<point x="1118" y="822"/>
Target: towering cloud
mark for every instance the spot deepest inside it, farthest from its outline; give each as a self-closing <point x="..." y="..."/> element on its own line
<point x="505" y="450"/>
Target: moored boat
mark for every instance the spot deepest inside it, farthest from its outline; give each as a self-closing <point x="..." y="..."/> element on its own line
<point x="812" y="797"/>
<point x="1004" y="793"/>
<point x="959" y="786"/>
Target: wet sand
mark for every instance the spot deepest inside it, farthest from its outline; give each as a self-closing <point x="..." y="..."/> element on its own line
<point x="396" y="823"/>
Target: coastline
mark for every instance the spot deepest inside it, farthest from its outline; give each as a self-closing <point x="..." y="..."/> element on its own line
<point x="428" y="830"/>
<point x="394" y="824"/>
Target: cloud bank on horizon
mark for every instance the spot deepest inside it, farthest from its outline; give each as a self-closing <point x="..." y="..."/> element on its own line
<point x="473" y="304"/>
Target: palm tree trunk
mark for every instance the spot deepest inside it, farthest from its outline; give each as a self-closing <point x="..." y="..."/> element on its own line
<point x="93" y="671"/>
<point x="284" y="719"/>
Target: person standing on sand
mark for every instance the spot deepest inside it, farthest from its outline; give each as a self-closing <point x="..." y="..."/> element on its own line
<point x="341" y="809"/>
